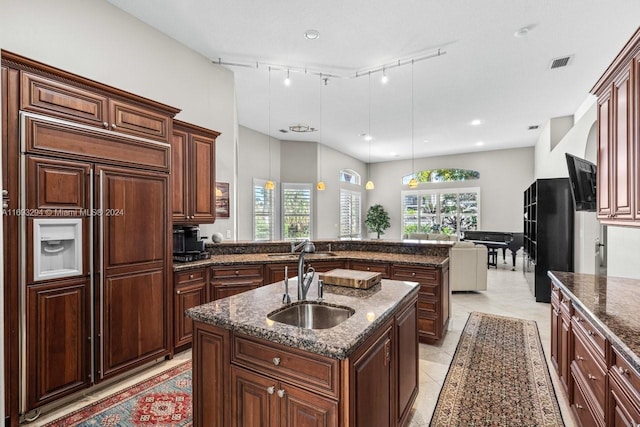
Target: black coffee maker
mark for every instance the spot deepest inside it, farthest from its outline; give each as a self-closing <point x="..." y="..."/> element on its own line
<point x="187" y="244"/>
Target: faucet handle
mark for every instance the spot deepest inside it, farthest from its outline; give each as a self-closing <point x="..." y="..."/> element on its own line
<point x="320" y="289"/>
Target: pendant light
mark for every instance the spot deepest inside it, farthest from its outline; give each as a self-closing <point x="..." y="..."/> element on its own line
<point x="369" y="185"/>
<point x="413" y="183"/>
<point x="269" y="185"/>
<point x="320" y="186"/>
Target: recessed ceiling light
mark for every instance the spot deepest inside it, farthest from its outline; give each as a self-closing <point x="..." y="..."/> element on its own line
<point x="475" y="122"/>
<point x="480" y="143"/>
<point x="426" y="141"/>
<point x="522" y="32"/>
<point x="394" y="154"/>
<point x="311" y="34"/>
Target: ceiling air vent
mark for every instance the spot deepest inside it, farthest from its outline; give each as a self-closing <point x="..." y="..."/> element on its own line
<point x="561" y="62"/>
<point x="533" y="127"/>
<point x="284" y="131"/>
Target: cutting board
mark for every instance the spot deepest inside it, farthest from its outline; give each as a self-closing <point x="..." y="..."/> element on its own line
<point x="351" y="278"/>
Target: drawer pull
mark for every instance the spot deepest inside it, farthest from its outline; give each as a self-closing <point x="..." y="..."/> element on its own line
<point x="413" y="274"/>
<point x="281" y="393"/>
<point x="591" y="333"/>
<point x="592" y="377"/>
<point x="276" y="361"/>
<point x="578" y="406"/>
<point x="579" y="358"/>
<point x="106" y="125"/>
<point x="368" y="268"/>
<point x="237" y="272"/>
<point x="191" y="276"/>
<point x="178" y="292"/>
<point x="623" y="371"/>
<point x="271" y="389"/>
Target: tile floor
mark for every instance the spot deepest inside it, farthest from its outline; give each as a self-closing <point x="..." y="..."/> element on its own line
<point x="508" y="294"/>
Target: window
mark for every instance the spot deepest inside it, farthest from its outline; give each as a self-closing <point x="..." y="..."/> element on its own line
<point x="296" y="211"/>
<point x="263" y="211"/>
<point x="350" y="213"/>
<point x="449" y="211"/>
<point x="349" y="176"/>
<point x="442" y="175"/>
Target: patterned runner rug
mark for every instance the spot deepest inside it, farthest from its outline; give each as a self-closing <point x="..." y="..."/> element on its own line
<point x="161" y="401"/>
<point x="498" y="377"/>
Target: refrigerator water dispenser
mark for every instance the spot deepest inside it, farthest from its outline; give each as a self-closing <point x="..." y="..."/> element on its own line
<point x="57" y="248"/>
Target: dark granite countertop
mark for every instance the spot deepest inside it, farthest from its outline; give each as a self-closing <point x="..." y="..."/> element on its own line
<point x="611" y="303"/>
<point x="264" y="258"/>
<point x="246" y="313"/>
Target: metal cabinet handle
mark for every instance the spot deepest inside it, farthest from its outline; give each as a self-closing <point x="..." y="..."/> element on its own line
<point x="271" y="389"/>
<point x="413" y="274"/>
<point x="276" y="361"/>
<point x="368" y="268"/>
<point x="590" y="333"/>
<point x="281" y="393"/>
<point x="623" y="371"/>
<point x="5" y="205"/>
<point x="237" y="272"/>
<point x="5" y="192"/>
<point x="113" y="126"/>
<point x="579" y="358"/>
<point x="591" y="377"/>
<point x="106" y="125"/>
<point x="178" y="292"/>
<point x="578" y="406"/>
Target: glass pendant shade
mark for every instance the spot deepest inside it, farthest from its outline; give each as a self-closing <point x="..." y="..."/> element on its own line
<point x="218" y="192"/>
<point x="369" y="185"/>
<point x="269" y="185"/>
<point x="413" y="183"/>
<point x="320" y="186"/>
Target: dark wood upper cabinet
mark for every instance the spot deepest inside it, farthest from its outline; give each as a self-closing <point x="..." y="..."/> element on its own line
<point x="618" y="92"/>
<point x="193" y="174"/>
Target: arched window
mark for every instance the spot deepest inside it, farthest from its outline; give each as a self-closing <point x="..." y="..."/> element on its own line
<point x="442" y="175"/>
<point x="350" y="176"/>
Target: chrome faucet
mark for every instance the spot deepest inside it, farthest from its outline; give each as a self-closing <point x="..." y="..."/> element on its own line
<point x="304" y="279"/>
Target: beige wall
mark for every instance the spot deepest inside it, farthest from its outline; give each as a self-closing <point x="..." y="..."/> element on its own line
<point x="504" y="175"/>
<point x="97" y="40"/>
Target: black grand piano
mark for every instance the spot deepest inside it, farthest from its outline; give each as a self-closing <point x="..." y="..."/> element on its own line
<point x="495" y="240"/>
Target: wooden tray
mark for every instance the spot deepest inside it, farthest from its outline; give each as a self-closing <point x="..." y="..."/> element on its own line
<point x="351" y="278"/>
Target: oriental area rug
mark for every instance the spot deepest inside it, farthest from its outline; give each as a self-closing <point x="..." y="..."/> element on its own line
<point x="498" y="377"/>
<point x="163" y="400"/>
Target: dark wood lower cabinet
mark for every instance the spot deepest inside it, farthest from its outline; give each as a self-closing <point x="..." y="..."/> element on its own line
<point x="246" y="381"/>
<point x="259" y="400"/>
<point x="58" y="327"/>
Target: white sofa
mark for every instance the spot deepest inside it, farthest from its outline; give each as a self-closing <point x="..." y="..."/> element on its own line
<point x="468" y="267"/>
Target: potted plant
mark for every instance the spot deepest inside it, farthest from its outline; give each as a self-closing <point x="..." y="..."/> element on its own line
<point x="377" y="219"/>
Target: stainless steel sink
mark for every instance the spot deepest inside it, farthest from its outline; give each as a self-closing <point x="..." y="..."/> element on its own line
<point x="311" y="315"/>
<point x="321" y="254"/>
<point x="283" y="256"/>
<point x="295" y="256"/>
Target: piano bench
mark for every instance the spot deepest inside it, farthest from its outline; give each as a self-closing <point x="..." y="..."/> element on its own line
<point x="492" y="258"/>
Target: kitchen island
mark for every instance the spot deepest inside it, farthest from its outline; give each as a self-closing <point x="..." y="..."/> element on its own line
<point x="251" y="370"/>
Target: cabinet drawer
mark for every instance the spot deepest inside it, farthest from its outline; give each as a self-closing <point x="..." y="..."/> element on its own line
<point x="287" y="364"/>
<point x="427" y="305"/>
<point x="423" y="275"/>
<point x="189" y="276"/>
<point x="235" y="271"/>
<point x="432" y="291"/>
<point x="375" y="267"/>
<point x="566" y="307"/>
<point x="46" y="96"/>
<point x="427" y="326"/>
<point x="586" y="365"/>
<point x="593" y="336"/>
<point x="581" y="409"/>
<point x="630" y="377"/>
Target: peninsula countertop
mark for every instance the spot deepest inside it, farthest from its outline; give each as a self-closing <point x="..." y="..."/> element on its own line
<point x="268" y="258"/>
<point x="247" y="312"/>
<point x="611" y="303"/>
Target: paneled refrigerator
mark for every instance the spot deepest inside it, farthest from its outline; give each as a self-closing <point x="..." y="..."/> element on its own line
<point x="95" y="258"/>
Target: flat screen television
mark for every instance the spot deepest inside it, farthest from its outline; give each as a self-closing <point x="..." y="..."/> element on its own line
<point x="582" y="176"/>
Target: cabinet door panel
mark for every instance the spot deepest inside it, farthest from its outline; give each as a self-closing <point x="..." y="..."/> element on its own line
<point x="134" y="319"/>
<point x="253" y="398"/>
<point x="223" y="290"/>
<point x="204" y="177"/>
<point x="57" y="184"/>
<point x="407" y="356"/>
<point x="186" y="297"/>
<point x="371" y="381"/>
<point x="179" y="179"/>
<point x="623" y="147"/>
<point x="138" y="121"/>
<point x="57" y="340"/>
<point x="46" y="96"/>
<point x="604" y="148"/>
<point x="303" y="409"/>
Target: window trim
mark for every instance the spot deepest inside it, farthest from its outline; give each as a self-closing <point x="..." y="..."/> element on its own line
<point x="355" y="174"/>
<point x="259" y="182"/>
<point x="352" y="193"/>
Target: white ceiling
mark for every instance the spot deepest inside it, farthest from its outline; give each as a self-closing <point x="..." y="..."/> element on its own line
<point x="485" y="72"/>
